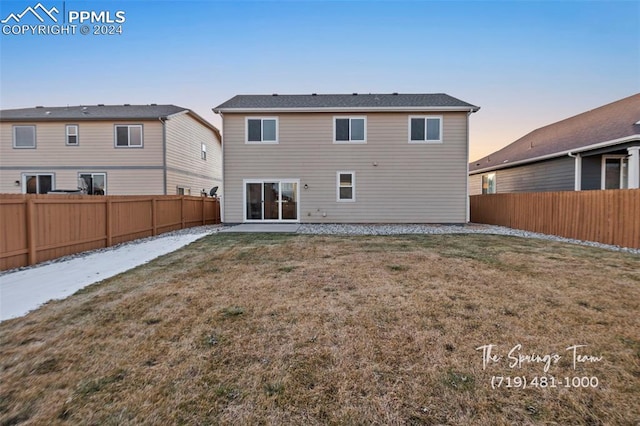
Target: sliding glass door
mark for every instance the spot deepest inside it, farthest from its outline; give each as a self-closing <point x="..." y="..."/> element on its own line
<point x="273" y="200"/>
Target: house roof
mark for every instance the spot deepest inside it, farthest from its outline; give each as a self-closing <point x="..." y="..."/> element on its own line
<point x="344" y="102"/>
<point x="614" y="123"/>
<point x="99" y="112"/>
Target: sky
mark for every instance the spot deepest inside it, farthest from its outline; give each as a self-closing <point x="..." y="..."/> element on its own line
<point x="526" y="64"/>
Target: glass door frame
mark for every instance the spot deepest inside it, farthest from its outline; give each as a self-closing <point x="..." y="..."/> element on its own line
<point x="262" y="182"/>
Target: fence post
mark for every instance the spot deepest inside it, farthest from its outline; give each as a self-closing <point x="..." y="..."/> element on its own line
<point x="182" y="211"/>
<point x="154" y="220"/>
<point x="204" y="218"/>
<point x="31" y="231"/>
<point x="109" y="221"/>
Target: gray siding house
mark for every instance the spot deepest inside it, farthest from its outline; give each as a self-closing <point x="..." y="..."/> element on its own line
<point x="598" y="149"/>
<point x="386" y="158"/>
<point x="110" y="149"/>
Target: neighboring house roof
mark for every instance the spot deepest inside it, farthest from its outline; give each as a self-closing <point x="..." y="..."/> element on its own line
<point x="611" y="124"/>
<point x="349" y="102"/>
<point x="99" y="112"/>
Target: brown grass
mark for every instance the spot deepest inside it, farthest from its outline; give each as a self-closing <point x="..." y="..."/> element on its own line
<point x="291" y="329"/>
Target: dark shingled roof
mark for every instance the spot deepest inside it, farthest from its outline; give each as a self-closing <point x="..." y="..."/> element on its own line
<point x="337" y="102"/>
<point x="91" y="112"/>
<point x="607" y="123"/>
<point x="99" y="112"/>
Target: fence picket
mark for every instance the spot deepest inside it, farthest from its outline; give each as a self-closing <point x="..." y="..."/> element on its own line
<point x="609" y="217"/>
<point x="37" y="228"/>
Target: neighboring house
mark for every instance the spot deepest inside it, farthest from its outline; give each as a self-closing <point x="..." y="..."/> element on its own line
<point x="598" y="149"/>
<point x="113" y="149"/>
<point x="392" y="158"/>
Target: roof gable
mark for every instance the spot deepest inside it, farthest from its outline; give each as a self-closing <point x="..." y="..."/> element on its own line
<point x="363" y="102"/>
<point x="611" y="122"/>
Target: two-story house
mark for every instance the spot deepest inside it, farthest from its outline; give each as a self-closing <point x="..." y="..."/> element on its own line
<point x="385" y="158"/>
<point x="109" y="149"/>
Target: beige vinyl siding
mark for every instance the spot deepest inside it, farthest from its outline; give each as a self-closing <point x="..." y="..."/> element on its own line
<point x="129" y="170"/>
<point x="412" y="183"/>
<point x="96" y="145"/>
<point x="185" y="167"/>
<point x="475" y="184"/>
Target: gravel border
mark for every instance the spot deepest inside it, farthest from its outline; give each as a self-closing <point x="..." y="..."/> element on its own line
<point x="471" y="228"/>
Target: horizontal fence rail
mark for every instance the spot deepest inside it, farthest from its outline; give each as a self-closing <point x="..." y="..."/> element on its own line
<point x="609" y="217"/>
<point x="37" y="228"/>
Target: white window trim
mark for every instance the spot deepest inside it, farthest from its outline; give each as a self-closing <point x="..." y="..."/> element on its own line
<point x="495" y="183"/>
<point x="262" y="182"/>
<point x="129" y="126"/>
<point x="95" y="173"/>
<point x="349" y="117"/>
<point x="425" y="117"/>
<point x="77" y="135"/>
<point x="603" y="170"/>
<point x="353" y="187"/>
<point x="35" y="136"/>
<point x="261" y="141"/>
<point x="24" y="180"/>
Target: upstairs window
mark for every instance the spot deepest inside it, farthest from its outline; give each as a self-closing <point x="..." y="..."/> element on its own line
<point x="350" y="130"/>
<point x="262" y="130"/>
<point x="129" y="135"/>
<point x="425" y="129"/>
<point x="203" y="152"/>
<point x="72" y="134"/>
<point x="24" y="136"/>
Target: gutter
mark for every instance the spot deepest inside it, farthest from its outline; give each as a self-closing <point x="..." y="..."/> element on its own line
<point x="629" y="138"/>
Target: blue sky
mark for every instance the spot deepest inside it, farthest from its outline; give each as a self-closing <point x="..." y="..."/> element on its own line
<point x="525" y="63"/>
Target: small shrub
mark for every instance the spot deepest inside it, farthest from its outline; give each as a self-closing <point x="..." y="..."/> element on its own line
<point x="232" y="311"/>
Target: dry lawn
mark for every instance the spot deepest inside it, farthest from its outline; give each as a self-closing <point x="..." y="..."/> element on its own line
<point x="292" y="329"/>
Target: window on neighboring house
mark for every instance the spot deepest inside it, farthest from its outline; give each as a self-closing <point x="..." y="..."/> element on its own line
<point x="129" y="135"/>
<point x="425" y="129"/>
<point x="24" y="136"/>
<point x="346" y="186"/>
<point x="72" y="134"/>
<point x="489" y="183"/>
<point x="37" y="183"/>
<point x="183" y="190"/>
<point x="262" y="130"/>
<point x="203" y="152"/>
<point x="615" y="172"/>
<point x="96" y="183"/>
<point x="350" y="129"/>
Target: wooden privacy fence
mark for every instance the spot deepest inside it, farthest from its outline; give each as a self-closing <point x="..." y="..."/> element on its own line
<point x="36" y="228"/>
<point x="609" y="217"/>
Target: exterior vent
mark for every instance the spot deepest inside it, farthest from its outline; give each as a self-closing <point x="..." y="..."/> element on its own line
<point x="127" y="104"/>
<point x="354" y="94"/>
<point x="275" y="94"/>
<point x="100" y="104"/>
<point x="395" y="93"/>
<point x="153" y="104"/>
<point x="39" y="106"/>
<point x="314" y="94"/>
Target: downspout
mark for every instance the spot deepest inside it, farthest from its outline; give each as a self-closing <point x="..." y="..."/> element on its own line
<point x="223" y="197"/>
<point x="577" y="178"/>
<point x="164" y="154"/>
<point x="467" y="163"/>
